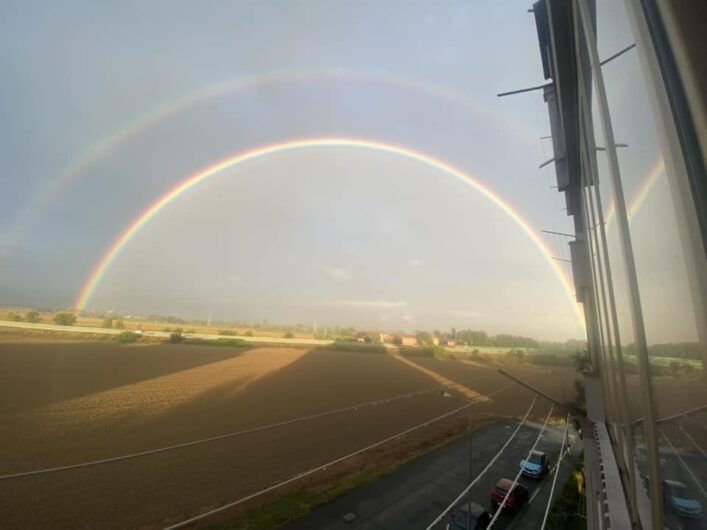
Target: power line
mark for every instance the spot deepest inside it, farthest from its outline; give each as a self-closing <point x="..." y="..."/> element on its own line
<point x="557" y="472"/>
<point x="483" y="472"/>
<point x="684" y="464"/>
<point x="694" y="442"/>
<point x="515" y="480"/>
<point x="324" y="466"/>
<point x="213" y="438"/>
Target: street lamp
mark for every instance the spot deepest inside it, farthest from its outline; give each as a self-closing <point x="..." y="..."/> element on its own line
<point x="446" y="394"/>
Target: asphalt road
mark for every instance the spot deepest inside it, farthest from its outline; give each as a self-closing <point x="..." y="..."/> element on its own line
<point x="412" y="496"/>
<point x="690" y="468"/>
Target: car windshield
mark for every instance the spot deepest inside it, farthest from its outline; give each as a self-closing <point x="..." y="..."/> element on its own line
<point x="536" y="458"/>
<point x="679" y="491"/>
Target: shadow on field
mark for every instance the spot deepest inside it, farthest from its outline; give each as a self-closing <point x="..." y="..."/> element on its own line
<point x="321" y="379"/>
<point x="33" y="375"/>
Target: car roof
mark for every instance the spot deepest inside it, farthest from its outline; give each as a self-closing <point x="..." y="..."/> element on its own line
<point x="506" y="483"/>
<point x="534" y="452"/>
<point x="674" y="483"/>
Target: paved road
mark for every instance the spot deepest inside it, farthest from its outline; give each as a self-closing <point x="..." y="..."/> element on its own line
<point x="164" y="334"/>
<point x="690" y="468"/>
<point x="415" y="494"/>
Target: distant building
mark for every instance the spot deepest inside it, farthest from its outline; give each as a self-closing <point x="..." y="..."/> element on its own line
<point x="435" y="340"/>
<point x="409" y="340"/>
<point x="385" y="337"/>
<point x="449" y="342"/>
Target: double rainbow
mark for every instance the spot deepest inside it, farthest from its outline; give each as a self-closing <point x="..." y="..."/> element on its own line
<point x="133" y="128"/>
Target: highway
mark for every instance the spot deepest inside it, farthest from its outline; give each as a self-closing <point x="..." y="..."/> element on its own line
<point x="412" y="496"/>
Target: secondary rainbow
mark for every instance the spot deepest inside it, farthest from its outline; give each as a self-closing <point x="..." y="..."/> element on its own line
<point x="48" y="193"/>
<point x="120" y="243"/>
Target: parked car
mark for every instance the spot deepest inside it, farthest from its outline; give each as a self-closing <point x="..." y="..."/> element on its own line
<point x="536" y="465"/>
<point x="681" y="500"/>
<point x="516" y="499"/>
<point x="477" y="518"/>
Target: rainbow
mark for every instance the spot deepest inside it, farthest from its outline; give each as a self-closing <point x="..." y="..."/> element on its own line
<point x="639" y="197"/>
<point x="189" y="183"/>
<point x="48" y="193"/>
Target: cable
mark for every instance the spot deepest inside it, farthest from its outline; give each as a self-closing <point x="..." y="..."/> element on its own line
<point x="557" y="472"/>
<point x="324" y="466"/>
<point x="515" y="480"/>
<point x="212" y="438"/>
<point x="687" y="468"/>
<point x="694" y="442"/>
<point x="483" y="472"/>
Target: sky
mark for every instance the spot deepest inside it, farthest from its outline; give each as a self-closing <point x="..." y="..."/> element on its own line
<point x="104" y="107"/>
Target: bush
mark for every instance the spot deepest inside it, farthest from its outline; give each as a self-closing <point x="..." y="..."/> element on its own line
<point x="118" y="324"/>
<point x="289" y="335"/>
<point x="64" y="318"/>
<point x="517" y="355"/>
<point x="14" y="317"/>
<point x="566" y="510"/>
<point x="248" y="333"/>
<point x="107" y="323"/>
<point x="126" y="337"/>
<point x="176" y="337"/>
<point x="582" y="361"/>
<point x="580" y="399"/>
<point x="33" y="317"/>
<point x="228" y="332"/>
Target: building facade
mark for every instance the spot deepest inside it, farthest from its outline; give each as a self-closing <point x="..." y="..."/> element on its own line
<point x="625" y="88"/>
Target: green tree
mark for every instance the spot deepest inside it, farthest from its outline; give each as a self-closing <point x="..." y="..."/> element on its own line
<point x="118" y="324"/>
<point x="107" y="323"/>
<point x="582" y="362"/>
<point x="15" y="317"/>
<point x="33" y="317"/>
<point x="473" y="338"/>
<point x="64" y="318"/>
<point x="424" y="338"/>
<point x="397" y="340"/>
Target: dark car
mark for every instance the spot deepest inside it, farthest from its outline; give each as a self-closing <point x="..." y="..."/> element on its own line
<point x="681" y="500"/>
<point x="472" y="516"/>
<point x="516" y="499"/>
<point x="536" y="465"/>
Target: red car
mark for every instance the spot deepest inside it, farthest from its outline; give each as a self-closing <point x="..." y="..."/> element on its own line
<point x="517" y="498"/>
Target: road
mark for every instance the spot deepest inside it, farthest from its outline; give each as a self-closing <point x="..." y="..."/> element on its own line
<point x="165" y="334"/>
<point x="412" y="496"/>
<point x="683" y="466"/>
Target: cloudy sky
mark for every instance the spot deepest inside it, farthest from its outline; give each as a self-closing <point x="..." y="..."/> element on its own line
<point x="106" y="106"/>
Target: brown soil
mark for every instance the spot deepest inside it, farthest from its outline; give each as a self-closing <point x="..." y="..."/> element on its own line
<point x="67" y="403"/>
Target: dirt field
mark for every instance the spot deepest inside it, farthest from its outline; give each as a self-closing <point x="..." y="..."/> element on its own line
<point x="66" y="403"/>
